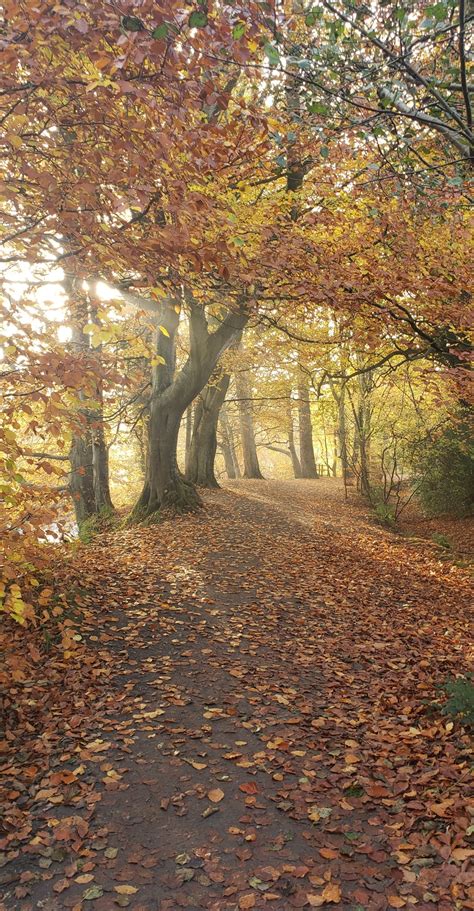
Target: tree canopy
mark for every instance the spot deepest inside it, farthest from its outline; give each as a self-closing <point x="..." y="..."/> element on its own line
<point x="174" y="173"/>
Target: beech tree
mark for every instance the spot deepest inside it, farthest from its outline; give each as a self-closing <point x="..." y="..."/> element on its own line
<point x="203" y="447"/>
<point x="210" y="168"/>
<point x="172" y="393"/>
<point x="247" y="430"/>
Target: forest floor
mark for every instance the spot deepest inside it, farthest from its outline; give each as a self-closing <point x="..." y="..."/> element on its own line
<point x="248" y="722"/>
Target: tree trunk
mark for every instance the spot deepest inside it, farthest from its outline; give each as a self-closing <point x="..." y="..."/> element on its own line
<point x="165" y="486"/>
<point x="100" y="450"/>
<point x="247" y="431"/>
<point x="81" y="455"/>
<point x="364" y="434"/>
<point x="362" y="431"/>
<point x="232" y="466"/>
<point x="141" y="436"/>
<point x="203" y="447"/>
<point x="342" y="435"/>
<point x="188" y="437"/>
<point x="100" y="469"/>
<point x="307" y="460"/>
<point x="89" y="456"/>
<point x="291" y="442"/>
<point x="81" y="484"/>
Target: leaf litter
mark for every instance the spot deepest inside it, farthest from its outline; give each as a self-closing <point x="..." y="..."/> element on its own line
<point x="247" y="649"/>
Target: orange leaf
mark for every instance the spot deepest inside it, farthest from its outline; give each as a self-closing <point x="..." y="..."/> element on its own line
<point x="246" y="902"/>
<point x="331" y="893"/>
<point x="61" y="885"/>
<point x="462" y="854"/>
<point x="216" y="795"/>
<point x="249" y="787"/>
<point x="328" y="853"/>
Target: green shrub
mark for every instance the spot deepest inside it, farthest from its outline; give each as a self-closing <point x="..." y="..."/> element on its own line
<point x="384" y="511"/>
<point x="441" y="539"/>
<point x="445" y="472"/>
<point x="96" y="524"/>
<point x="461" y="699"/>
<point x="385" y="514"/>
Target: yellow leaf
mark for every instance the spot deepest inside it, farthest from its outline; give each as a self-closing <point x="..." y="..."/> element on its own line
<point x="157" y="293"/>
<point x="125" y="890"/>
<point x="396" y="902"/>
<point x="164" y="331"/>
<point x="331" y="893"/>
<point x="14" y="140"/>
<point x="316" y="813"/>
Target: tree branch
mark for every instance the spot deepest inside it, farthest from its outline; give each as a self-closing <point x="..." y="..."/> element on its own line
<point x="462" y="65"/>
<point x="427" y="120"/>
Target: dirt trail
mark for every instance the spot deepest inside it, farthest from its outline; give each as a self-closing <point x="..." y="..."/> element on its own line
<point x="264" y="736"/>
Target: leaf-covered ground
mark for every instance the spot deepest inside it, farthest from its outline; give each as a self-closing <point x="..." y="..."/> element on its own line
<point x="248" y="722"/>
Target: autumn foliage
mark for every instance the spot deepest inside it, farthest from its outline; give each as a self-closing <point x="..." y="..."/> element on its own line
<point x="236" y="240"/>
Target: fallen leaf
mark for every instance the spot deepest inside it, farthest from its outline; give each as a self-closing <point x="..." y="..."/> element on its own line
<point x="249" y="787"/>
<point x="315" y="813"/>
<point x="247" y="901"/>
<point x="328" y="853"/>
<point x="92" y="893"/>
<point x="330" y="894"/>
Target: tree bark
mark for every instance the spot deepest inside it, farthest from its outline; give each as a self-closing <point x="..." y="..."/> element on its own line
<point x="341" y="432"/>
<point x="363" y="421"/>
<point x="88" y="456"/>
<point x="291" y="442"/>
<point x="231" y="461"/>
<point x="188" y="437"/>
<point x="307" y="459"/>
<point x="81" y="484"/>
<point x="100" y="450"/>
<point x="203" y="446"/>
<point x="362" y="432"/>
<point x="81" y="455"/>
<point x="247" y="430"/>
<point x="165" y="486"/>
<point x="100" y="469"/>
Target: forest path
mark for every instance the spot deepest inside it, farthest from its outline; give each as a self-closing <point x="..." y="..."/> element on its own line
<point x="260" y="738"/>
